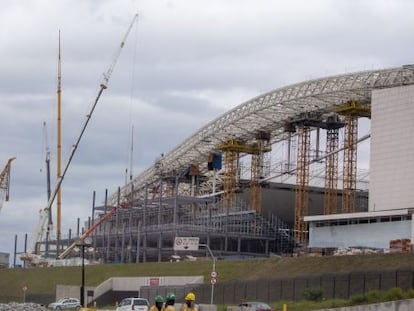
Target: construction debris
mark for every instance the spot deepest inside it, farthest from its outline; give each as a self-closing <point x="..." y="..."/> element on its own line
<point x="15" y="306"/>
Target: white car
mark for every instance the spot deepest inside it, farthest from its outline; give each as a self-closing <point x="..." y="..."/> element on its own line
<point x="65" y="303"/>
<point x="136" y="304"/>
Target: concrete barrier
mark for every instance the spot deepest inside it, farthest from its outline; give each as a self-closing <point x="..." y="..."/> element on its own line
<point x="206" y="307"/>
<point x="398" y="305"/>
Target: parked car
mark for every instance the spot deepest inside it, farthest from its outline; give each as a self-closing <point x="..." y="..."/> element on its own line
<point x="255" y="306"/>
<point x="137" y="304"/>
<point x="65" y="303"/>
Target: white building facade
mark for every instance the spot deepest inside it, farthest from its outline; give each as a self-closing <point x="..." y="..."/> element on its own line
<point x="391" y="190"/>
<point x="392" y="149"/>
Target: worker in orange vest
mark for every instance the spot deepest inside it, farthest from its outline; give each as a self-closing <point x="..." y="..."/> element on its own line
<point x="189" y="304"/>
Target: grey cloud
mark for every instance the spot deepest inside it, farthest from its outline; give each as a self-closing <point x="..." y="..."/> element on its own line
<point x="182" y="67"/>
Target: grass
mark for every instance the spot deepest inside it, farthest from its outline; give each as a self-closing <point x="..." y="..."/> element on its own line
<point x="44" y="280"/>
<point x="311" y="305"/>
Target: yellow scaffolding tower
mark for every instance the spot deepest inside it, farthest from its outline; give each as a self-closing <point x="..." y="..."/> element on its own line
<point x="331" y="166"/>
<point x="232" y="150"/>
<point x="352" y="110"/>
<point x="258" y="151"/>
<point x="333" y="124"/>
<point x="255" y="188"/>
<point x="302" y="185"/>
<point x="230" y="178"/>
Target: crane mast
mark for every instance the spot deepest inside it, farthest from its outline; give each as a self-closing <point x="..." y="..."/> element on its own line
<point x="49" y="231"/>
<point x="59" y="151"/>
<point x="47" y="161"/>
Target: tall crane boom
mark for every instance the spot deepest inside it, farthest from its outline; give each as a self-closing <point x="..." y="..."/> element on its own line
<point x="108" y="74"/>
<point x="5" y="182"/>
<point x="89" y="231"/>
<point x="104" y="85"/>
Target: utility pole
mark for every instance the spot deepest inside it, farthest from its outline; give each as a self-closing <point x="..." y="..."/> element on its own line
<point x="213" y="275"/>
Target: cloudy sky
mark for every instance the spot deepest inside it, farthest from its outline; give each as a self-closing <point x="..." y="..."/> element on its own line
<point x="184" y="64"/>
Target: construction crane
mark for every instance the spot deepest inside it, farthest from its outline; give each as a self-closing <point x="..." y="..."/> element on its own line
<point x="5" y="183"/>
<point x="67" y="251"/>
<point x="30" y="255"/>
<point x="49" y="231"/>
<point x="33" y="254"/>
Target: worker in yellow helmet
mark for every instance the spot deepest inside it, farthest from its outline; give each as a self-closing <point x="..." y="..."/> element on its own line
<point x="189" y="304"/>
<point x="169" y="302"/>
<point x="159" y="304"/>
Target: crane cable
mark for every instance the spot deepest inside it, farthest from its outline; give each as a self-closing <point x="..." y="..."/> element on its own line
<point x="130" y="151"/>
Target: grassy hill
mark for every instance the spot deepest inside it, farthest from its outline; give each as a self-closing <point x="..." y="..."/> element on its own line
<point x="44" y="280"/>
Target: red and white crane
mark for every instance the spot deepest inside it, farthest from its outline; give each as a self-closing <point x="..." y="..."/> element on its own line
<point x="5" y="183"/>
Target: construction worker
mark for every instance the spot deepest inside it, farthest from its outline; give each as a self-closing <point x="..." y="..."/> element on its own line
<point x="189" y="304"/>
<point x="159" y="304"/>
<point x="169" y="302"/>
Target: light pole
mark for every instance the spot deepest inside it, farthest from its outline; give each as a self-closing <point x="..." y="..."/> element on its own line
<point x="213" y="273"/>
<point x="86" y="242"/>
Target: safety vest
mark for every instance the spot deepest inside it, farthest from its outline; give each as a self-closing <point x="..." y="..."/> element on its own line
<point x="187" y="308"/>
<point x="154" y="308"/>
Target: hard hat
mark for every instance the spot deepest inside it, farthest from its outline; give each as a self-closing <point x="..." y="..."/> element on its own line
<point x="159" y="298"/>
<point x="170" y="296"/>
<point x="190" y="296"/>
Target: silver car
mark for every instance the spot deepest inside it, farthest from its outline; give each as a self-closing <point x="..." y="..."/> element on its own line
<point x="65" y="303"/>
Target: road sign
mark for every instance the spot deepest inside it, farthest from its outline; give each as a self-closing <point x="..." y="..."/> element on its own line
<point x="213" y="274"/>
<point x="186" y="243"/>
<point x="213" y="281"/>
<point x="24" y="287"/>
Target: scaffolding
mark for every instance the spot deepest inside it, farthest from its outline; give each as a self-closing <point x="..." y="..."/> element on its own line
<point x="257" y="169"/>
<point x="303" y="124"/>
<point x="352" y="110"/>
<point x="146" y="231"/>
<point x="231" y="176"/>
<point x="232" y="150"/>
<point x="302" y="185"/>
<point x="255" y="188"/>
<point x="333" y="124"/>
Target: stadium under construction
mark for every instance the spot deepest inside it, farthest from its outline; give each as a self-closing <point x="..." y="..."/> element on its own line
<point x="245" y="183"/>
<point x="145" y="230"/>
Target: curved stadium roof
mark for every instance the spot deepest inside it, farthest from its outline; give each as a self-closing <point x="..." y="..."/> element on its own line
<point x="269" y="112"/>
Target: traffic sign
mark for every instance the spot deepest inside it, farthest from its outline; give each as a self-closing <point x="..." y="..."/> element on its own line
<point x="24" y="287"/>
<point x="186" y="243"/>
<point x="213" y="274"/>
<point x="213" y="281"/>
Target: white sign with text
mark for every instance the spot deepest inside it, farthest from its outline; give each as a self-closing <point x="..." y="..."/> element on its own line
<point x="186" y="243"/>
